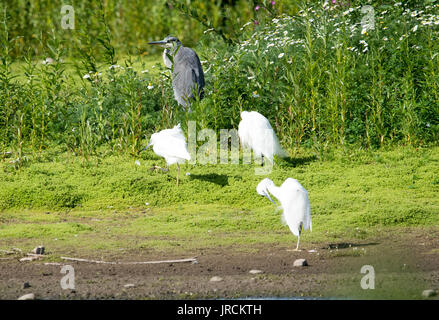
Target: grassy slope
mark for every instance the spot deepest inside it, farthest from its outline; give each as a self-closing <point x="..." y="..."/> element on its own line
<point x="102" y="207"/>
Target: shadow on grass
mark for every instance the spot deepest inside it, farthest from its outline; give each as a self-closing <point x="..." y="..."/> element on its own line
<point x="219" y="179"/>
<point x="344" y="245"/>
<point x="294" y="162"/>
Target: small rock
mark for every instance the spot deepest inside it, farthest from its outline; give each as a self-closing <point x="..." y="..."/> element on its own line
<point x="429" y="293"/>
<point x="129" y="285"/>
<point x="29" y="296"/>
<point x="300" y="263"/>
<point x="312" y="251"/>
<point x="216" y="279"/>
<point x="254" y="271"/>
<point x="38" y="250"/>
<point x="26" y="285"/>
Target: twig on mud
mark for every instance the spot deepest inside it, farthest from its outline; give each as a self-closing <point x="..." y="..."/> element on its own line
<point x="142" y="262"/>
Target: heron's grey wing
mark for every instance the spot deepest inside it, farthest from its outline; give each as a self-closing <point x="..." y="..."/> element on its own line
<point x="187" y="72"/>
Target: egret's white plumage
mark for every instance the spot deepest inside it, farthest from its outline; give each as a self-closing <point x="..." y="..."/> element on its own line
<point x="171" y="145"/>
<point x="293" y="198"/>
<point x="256" y="133"/>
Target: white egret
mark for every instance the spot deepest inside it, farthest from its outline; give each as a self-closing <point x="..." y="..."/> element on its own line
<point x="256" y="133"/>
<point x="171" y="145"/>
<point x="294" y="200"/>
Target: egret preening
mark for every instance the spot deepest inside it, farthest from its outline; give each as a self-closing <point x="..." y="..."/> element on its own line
<point x="187" y="75"/>
<point x="171" y="145"/>
<point x="294" y="201"/>
<point x="256" y="133"/>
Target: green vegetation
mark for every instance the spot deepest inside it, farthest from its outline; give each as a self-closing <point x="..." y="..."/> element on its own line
<point x="321" y="75"/>
<point x="119" y="204"/>
<point x="356" y="108"/>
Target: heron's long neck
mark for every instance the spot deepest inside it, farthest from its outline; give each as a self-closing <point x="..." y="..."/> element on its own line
<point x="166" y="60"/>
<point x="275" y="191"/>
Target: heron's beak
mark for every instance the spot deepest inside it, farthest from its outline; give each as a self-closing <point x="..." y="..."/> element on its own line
<point x="161" y="42"/>
<point x="149" y="144"/>
<point x="269" y="198"/>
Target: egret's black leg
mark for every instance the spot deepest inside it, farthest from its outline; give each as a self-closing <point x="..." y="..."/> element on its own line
<point x="157" y="167"/>
<point x="262" y="161"/>
<point x="298" y="239"/>
<point x="178" y="172"/>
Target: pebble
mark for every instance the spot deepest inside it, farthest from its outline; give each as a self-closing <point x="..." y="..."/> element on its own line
<point x="429" y="293"/>
<point x="26" y="285"/>
<point x="29" y="296"/>
<point x="38" y="250"/>
<point x="129" y="285"/>
<point x="300" y="263"/>
<point x="254" y="271"/>
<point x="216" y="279"/>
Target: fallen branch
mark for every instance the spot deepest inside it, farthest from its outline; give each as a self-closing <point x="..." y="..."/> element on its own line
<point x="6" y="251"/>
<point x="31" y="258"/>
<point x="37" y="255"/>
<point x="193" y="260"/>
<point x="12" y="251"/>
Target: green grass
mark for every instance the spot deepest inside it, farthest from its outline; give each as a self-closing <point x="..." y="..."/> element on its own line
<point x="102" y="207"/>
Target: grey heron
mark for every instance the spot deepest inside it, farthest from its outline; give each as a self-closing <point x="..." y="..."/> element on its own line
<point x="187" y="73"/>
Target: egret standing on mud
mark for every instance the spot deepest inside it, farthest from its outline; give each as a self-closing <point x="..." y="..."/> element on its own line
<point x="294" y="201"/>
<point x="171" y="145"/>
<point x="256" y="133"/>
<point x="187" y="73"/>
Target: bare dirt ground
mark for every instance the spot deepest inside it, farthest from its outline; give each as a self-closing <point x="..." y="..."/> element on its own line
<point x="405" y="264"/>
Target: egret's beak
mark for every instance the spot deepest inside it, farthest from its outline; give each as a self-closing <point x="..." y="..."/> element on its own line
<point x="269" y="198"/>
<point x="161" y="42"/>
<point x="149" y="144"/>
